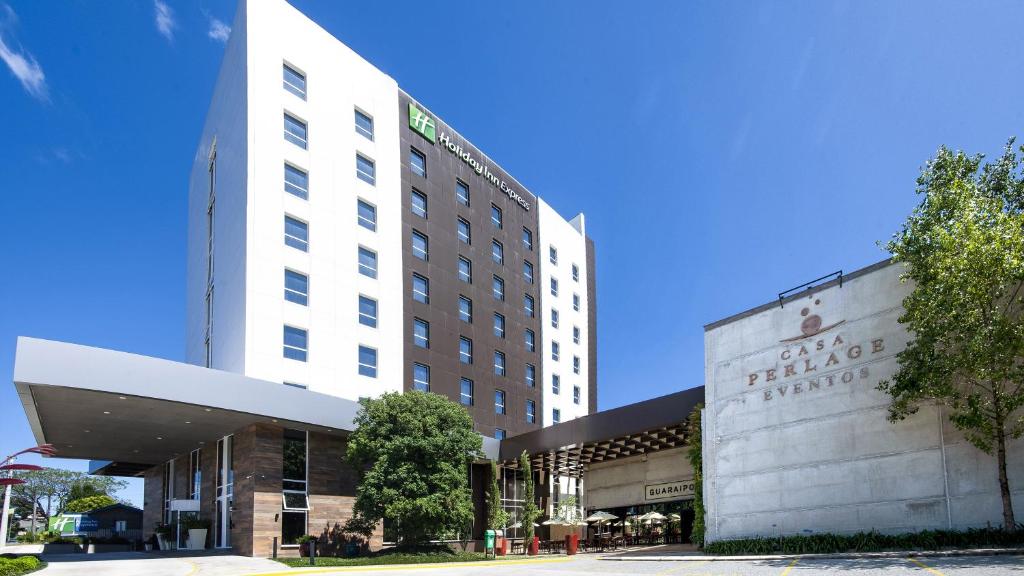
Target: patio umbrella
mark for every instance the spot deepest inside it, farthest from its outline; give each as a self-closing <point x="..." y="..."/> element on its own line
<point x="673" y="516"/>
<point x="520" y="525"/>
<point x="601" y="516"/>
<point x="655" y="516"/>
<point x="553" y="522"/>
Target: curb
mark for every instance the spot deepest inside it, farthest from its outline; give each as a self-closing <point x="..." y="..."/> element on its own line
<point x="839" y="556"/>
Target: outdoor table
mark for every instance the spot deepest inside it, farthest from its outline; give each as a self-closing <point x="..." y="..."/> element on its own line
<point x="517" y="546"/>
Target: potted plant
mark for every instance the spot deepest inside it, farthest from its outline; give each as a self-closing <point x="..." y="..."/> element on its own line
<point x="305" y="542"/>
<point x="164" y="533"/>
<point x="197" y="528"/>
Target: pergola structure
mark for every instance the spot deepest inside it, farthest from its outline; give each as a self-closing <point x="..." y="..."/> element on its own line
<point x="566" y="449"/>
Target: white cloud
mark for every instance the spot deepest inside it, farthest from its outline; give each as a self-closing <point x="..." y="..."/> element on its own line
<point x="219" y="31"/>
<point x="165" y="22"/>
<point x="22" y="64"/>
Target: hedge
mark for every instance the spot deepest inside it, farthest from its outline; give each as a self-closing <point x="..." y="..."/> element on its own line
<point x="19" y="566"/>
<point x="869" y="542"/>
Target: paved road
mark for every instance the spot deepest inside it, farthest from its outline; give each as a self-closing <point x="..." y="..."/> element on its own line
<point x="149" y="565"/>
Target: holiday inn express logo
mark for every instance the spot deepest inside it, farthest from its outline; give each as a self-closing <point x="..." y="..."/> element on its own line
<point x="422" y="123"/>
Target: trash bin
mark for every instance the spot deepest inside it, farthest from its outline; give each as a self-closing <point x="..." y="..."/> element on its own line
<point x="572" y="542"/>
<point x="501" y="546"/>
<point x="488" y="540"/>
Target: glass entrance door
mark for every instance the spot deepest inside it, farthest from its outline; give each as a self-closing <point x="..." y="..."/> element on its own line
<point x="225" y="492"/>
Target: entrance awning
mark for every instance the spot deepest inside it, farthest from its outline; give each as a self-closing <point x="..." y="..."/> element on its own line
<point x="137" y="411"/>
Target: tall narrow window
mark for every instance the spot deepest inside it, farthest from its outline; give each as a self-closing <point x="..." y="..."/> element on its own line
<point x="367" y="262"/>
<point x="499" y="325"/>
<point x="296" y="343"/>
<point x="418" y="201"/>
<point x="465" y="270"/>
<point x="556" y="416"/>
<point x="497" y="252"/>
<point x="462" y="192"/>
<point x="496" y="218"/>
<point x="294" y="495"/>
<point x="531" y="375"/>
<point x="295" y="131"/>
<point x="576" y="302"/>
<point x="211" y="210"/>
<point x="576" y="364"/>
<point x="417" y="162"/>
<point x="465" y="310"/>
<point x="575" y="394"/>
<point x="527" y="239"/>
<point x="466" y="392"/>
<point x="368" y="361"/>
<point x="553" y="255"/>
<point x="554" y="287"/>
<point x="421" y="377"/>
<point x="528" y="305"/>
<point x="367" y="311"/>
<point x="499" y="434"/>
<point x="463" y="231"/>
<point x="527" y="271"/>
<point x="554" y="318"/>
<point x="499" y="401"/>
<point x="421" y="333"/>
<point x="530" y="340"/>
<point x="555" y="351"/>
<point x="498" y="288"/>
<point x="364" y="125"/>
<point x="296" y="181"/>
<point x="294" y="81"/>
<point x="575" y="273"/>
<point x="465" y="350"/>
<point x="575" y="334"/>
<point x="366" y="215"/>
<point x="499" y="363"/>
<point x="420" y="245"/>
<point x="195" y="474"/>
<point x="556" y="384"/>
<point x="420" y="289"/>
<point x="296" y="233"/>
<point x="531" y="411"/>
<point x="296" y="287"/>
<point x="366" y="169"/>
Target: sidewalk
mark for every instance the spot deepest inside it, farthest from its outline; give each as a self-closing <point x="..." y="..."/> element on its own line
<point x="670" y="553"/>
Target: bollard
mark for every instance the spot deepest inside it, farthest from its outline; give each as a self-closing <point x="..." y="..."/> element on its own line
<point x="312" y="552"/>
<point x="274" y="556"/>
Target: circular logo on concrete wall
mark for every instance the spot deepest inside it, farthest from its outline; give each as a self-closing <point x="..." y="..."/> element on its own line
<point x="811" y="325"/>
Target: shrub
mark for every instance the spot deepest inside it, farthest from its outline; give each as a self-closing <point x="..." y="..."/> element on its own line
<point x="88" y="503"/>
<point x="869" y="542"/>
<point x="18" y="566"/>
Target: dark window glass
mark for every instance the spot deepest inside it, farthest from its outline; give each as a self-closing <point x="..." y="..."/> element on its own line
<point x="417" y="162"/>
<point x="419" y="203"/>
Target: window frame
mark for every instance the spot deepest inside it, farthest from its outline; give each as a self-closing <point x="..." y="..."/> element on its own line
<point x="418" y="252"/>
<point x="376" y="361"/>
<point x="530" y="375"/>
<point x="466" y="316"/>
<point x="361" y="266"/>
<point x="469" y="270"/>
<point x="413" y="152"/>
<point x="416" y="382"/>
<point x="300" y="141"/>
<point x="289" y="86"/>
<point x="425" y="292"/>
<point x="292" y="240"/>
<point x="301" y="353"/>
<point x="464" y="236"/>
<point x="466" y="199"/>
<point x="466" y="356"/>
<point x="462" y="391"/>
<point x="499" y="401"/>
<point x="361" y="130"/>
<point x="295" y="295"/>
<point x="499" y="221"/>
<point x="418" y="340"/>
<point x="376" y="311"/>
<point x="498" y="325"/>
<point x="500" y="368"/>
<point x="369" y="224"/>
<point x="413" y="194"/>
<point x="528" y="239"/>
<point x="498" y="288"/>
<point x="368" y="177"/>
<point x="497" y="252"/>
<point x="291" y="187"/>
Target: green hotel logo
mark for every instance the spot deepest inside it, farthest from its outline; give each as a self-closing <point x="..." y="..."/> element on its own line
<point x="422" y="123"/>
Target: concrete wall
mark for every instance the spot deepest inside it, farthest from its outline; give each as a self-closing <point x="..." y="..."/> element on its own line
<point x="796" y="435"/>
<point x="621" y="482"/>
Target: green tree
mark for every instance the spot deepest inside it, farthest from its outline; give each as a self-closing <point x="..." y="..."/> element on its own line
<point x="530" y="510"/>
<point x="88" y="503"/>
<point x="963" y="247"/>
<point x="694" y="452"/>
<point x="497" y="518"/>
<point x="412" y="452"/>
<point x="86" y="486"/>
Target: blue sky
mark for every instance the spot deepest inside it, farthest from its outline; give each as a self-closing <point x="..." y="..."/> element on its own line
<point x="722" y="151"/>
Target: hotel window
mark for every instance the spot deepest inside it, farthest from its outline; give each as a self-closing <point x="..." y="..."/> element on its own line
<point x="575" y="394"/>
<point x="575" y="334"/>
<point x="364" y="125"/>
<point x="576" y="302"/>
<point x="294" y="495"/>
<point x="531" y="411"/>
<point x="528" y="271"/>
<point x="195" y="475"/>
<point x="419" y="203"/>
<point x="499" y="401"/>
<point x="366" y="170"/>
<point x="421" y="377"/>
<point x="465" y="270"/>
<point x="465" y="310"/>
<point x="368" y="361"/>
<point x="463" y="231"/>
<point x="296" y="287"/>
<point x="554" y="287"/>
<point x="499" y="325"/>
<point x="553" y="255"/>
<point x="527" y="239"/>
<point x="420" y="289"/>
<point x="556" y="384"/>
<point x="496" y="216"/>
<point x="465" y="350"/>
<point x="575" y="273"/>
<point x="576" y="364"/>
<point x="555" y="348"/>
<point x="295" y="131"/>
<point x="366" y="215"/>
<point x="556" y="415"/>
<point x="462" y="192"/>
<point x="420" y="245"/>
<point x="296" y="234"/>
<point x="296" y="181"/>
<point x="367" y="262"/>
<point x="421" y="333"/>
<point x="294" y="81"/>
<point x="499" y="434"/>
<point x="498" y="288"/>
<point x="466" y="392"/>
<point x="528" y="305"/>
<point x="554" y="318"/>
<point x="367" y="311"/>
<point x="530" y="340"/>
<point x="499" y="363"/>
<point x="417" y="162"/>
<point x="296" y="343"/>
<point x="497" y="252"/>
<point x="531" y="375"/>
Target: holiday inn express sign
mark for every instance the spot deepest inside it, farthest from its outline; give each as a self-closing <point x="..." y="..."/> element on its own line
<point x="425" y="126"/>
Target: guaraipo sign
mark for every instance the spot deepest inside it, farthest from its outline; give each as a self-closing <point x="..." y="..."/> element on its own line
<point x="423" y="124"/>
<point x="667" y="490"/>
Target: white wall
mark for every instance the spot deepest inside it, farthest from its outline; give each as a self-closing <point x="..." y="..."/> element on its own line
<point x="621" y="482"/>
<point x="227" y="122"/>
<point x="813" y="450"/>
<point x="570" y="240"/>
